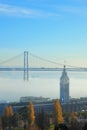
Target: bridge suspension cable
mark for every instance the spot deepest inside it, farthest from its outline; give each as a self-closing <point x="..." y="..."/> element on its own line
<point x="53" y="62"/>
<point x="27" y="68"/>
<point x="10" y="59"/>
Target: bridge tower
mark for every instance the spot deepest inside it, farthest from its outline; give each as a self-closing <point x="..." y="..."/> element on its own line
<point x="25" y="65"/>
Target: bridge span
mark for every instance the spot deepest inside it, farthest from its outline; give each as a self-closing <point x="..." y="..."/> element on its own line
<point x="40" y="69"/>
<point x="29" y="62"/>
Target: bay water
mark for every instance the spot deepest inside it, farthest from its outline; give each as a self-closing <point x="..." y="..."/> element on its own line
<point x="40" y="83"/>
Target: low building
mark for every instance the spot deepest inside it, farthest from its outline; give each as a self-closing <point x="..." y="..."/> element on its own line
<point x="34" y="99"/>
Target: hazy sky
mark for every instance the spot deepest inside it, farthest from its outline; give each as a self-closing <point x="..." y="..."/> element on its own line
<point x="53" y="29"/>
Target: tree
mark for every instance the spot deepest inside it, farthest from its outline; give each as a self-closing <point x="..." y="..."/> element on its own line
<point x="1" y="124"/>
<point x="74" y="122"/>
<point x="7" y="117"/>
<point x="40" y="119"/>
<point x="23" y="112"/>
<point x="58" y="113"/>
<point x="31" y="116"/>
<point x="85" y="126"/>
<point x="6" y="111"/>
<point x="73" y="117"/>
<point x="14" y="120"/>
<point x="10" y="111"/>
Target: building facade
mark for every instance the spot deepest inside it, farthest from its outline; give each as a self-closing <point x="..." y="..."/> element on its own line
<point x="34" y="99"/>
<point x="64" y="87"/>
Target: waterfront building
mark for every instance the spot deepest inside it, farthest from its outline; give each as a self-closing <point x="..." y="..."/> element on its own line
<point x="74" y="105"/>
<point x="34" y="99"/>
<point x="64" y="87"/>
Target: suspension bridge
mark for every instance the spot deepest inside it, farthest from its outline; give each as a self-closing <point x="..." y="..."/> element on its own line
<point x="27" y="61"/>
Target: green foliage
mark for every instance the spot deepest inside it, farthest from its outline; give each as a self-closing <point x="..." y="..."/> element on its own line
<point x="51" y="127"/>
<point x="14" y="120"/>
<point x="40" y="120"/>
<point x="23" y="113"/>
<point x="66" y="116"/>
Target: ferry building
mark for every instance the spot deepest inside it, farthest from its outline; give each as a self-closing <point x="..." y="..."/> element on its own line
<point x="64" y="87"/>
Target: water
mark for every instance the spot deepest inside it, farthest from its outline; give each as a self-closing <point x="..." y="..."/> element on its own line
<point x="41" y="83"/>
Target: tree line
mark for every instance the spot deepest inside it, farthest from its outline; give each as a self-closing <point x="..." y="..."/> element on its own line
<point x="26" y="119"/>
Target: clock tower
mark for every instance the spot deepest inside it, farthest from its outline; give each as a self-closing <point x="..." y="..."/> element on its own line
<point x="64" y="87"/>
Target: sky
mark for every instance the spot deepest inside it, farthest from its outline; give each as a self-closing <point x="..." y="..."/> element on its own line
<point x="53" y="29"/>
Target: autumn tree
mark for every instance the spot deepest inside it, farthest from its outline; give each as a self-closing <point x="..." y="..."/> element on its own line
<point x="10" y="116"/>
<point x="31" y="116"/>
<point x="73" y="121"/>
<point x="58" y="113"/>
<point x="10" y="111"/>
<point x="73" y="117"/>
<point x="7" y="117"/>
<point x="6" y="111"/>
